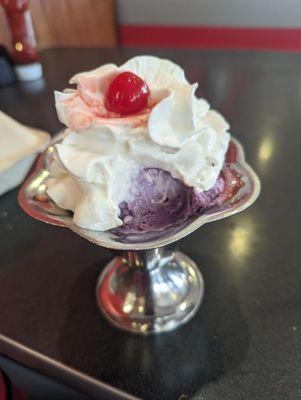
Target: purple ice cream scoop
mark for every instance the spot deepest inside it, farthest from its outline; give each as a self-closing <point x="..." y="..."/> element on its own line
<point x="159" y="200"/>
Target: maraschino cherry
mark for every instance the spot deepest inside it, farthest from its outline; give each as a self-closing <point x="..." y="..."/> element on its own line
<point x="127" y="94"/>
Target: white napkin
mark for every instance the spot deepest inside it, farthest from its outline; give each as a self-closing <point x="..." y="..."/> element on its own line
<point x="18" y="147"/>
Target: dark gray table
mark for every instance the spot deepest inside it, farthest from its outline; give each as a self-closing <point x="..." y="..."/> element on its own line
<point x="245" y="341"/>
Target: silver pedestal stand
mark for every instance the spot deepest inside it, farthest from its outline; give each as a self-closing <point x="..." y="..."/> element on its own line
<point x="148" y="287"/>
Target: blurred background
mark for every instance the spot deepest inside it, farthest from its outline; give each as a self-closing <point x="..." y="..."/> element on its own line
<point x="270" y="24"/>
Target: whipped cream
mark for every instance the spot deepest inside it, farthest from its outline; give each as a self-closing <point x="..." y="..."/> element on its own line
<point x="102" y="153"/>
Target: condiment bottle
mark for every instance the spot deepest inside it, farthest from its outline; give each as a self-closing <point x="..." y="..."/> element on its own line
<point x="27" y="64"/>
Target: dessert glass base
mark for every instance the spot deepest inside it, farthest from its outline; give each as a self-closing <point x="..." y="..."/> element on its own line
<point x="148" y="287"/>
<point x="150" y="291"/>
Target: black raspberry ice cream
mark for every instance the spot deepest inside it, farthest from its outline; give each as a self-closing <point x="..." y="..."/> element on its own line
<point x="140" y="150"/>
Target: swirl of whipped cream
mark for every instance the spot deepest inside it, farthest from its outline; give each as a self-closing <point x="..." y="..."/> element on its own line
<point x="103" y="152"/>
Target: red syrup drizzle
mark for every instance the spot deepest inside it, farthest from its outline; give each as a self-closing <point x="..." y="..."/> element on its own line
<point x="233" y="183"/>
<point x="233" y="180"/>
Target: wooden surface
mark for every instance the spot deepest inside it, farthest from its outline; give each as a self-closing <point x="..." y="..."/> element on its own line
<point x="69" y="23"/>
<point x="4" y="30"/>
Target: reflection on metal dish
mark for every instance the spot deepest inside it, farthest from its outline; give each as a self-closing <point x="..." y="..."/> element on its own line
<point x="146" y="289"/>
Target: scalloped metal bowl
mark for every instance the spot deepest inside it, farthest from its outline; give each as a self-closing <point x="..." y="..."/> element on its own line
<point x="149" y="288"/>
<point x="35" y="202"/>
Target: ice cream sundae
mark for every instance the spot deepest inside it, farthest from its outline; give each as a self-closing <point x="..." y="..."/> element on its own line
<point x="140" y="151"/>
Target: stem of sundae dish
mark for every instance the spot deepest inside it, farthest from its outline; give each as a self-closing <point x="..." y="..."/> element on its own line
<point x="144" y="269"/>
<point x="146" y="259"/>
